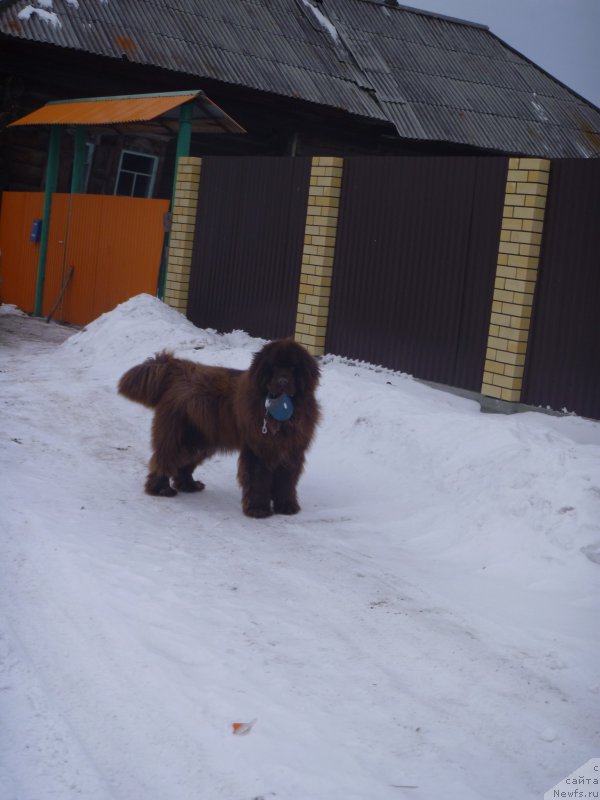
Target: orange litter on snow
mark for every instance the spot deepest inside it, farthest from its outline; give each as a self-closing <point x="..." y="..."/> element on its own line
<point x="242" y="728"/>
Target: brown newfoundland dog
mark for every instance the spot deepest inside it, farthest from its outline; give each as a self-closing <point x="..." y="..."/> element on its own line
<point x="268" y="412"/>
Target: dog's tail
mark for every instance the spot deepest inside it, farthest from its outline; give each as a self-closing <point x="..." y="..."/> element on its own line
<point x="146" y="383"/>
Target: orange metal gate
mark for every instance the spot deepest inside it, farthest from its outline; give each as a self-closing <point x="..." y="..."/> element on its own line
<point x="18" y="254"/>
<point x="114" y="244"/>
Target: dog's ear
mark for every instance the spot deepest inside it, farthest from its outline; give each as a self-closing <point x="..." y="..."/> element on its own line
<point x="261" y="369"/>
<point x="307" y="371"/>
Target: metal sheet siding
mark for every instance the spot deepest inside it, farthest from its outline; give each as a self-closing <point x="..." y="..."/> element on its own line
<point x="18" y="254"/>
<point x="431" y="78"/>
<point x="248" y="244"/>
<point x="114" y="243"/>
<point x="562" y="369"/>
<point x="412" y="280"/>
<point x="489" y="184"/>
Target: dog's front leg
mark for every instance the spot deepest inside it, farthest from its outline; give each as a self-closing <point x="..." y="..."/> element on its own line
<point x="285" y="498"/>
<point x="256" y="481"/>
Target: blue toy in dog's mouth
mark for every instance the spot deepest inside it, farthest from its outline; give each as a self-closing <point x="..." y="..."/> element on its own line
<point x="280" y="408"/>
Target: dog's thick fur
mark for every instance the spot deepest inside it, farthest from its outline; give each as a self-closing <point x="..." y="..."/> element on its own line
<point x="201" y="410"/>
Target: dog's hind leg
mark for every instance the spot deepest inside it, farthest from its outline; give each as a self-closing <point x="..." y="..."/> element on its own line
<point x="169" y="454"/>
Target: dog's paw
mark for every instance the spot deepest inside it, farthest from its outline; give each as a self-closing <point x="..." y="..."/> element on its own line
<point x="165" y="491"/>
<point x="258" y="512"/>
<point x="190" y="486"/>
<point x="287" y="507"/>
<point x="159" y="486"/>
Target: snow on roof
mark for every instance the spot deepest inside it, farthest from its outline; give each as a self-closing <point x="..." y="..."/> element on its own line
<point x="45" y="15"/>
<point x="323" y="20"/>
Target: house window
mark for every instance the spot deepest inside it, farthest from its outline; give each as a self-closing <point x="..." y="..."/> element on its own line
<point x="136" y="174"/>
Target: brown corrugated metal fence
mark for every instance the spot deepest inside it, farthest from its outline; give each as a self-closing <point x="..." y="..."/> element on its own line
<point x="114" y="243"/>
<point x="562" y="369"/>
<point x="248" y="244"/>
<point x="415" y="262"/>
<point x="413" y="273"/>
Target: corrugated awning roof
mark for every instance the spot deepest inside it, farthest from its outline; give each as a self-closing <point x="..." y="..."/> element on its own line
<point x="207" y="117"/>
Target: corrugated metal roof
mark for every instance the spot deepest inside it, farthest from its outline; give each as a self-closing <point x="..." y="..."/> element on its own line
<point x="432" y="78"/>
<point x="132" y="108"/>
<point x="102" y="111"/>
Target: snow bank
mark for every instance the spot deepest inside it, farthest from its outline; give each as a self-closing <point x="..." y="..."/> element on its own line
<point x="9" y="308"/>
<point x="140" y="327"/>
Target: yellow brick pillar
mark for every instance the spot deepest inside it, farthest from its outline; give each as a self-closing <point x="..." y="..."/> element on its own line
<point x="183" y="227"/>
<point x="319" y="250"/>
<point x="516" y="277"/>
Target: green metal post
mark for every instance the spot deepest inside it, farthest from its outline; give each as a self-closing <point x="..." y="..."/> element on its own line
<point x="77" y="177"/>
<point x="184" y="138"/>
<point x="78" y="160"/>
<point x="49" y="189"/>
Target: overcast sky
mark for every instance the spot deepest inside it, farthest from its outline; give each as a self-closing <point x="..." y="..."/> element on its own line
<point x="562" y="36"/>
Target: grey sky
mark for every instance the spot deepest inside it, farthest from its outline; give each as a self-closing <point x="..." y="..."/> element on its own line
<point x="562" y="36"/>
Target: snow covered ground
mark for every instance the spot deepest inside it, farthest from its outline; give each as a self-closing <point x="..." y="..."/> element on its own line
<point x="426" y="628"/>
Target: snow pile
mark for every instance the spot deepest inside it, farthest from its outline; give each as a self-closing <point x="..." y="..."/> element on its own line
<point x="140" y="327"/>
<point x="426" y="627"/>
<point x="9" y="308"/>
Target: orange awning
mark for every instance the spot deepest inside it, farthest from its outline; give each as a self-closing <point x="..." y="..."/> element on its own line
<point x="207" y="116"/>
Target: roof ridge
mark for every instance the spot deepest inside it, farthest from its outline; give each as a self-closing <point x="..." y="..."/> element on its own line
<point x="390" y="4"/>
<point x="545" y="71"/>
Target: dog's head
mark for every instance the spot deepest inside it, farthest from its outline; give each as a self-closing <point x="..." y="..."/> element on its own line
<point x="285" y="367"/>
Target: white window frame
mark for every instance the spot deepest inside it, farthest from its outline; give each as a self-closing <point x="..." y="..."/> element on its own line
<point x="153" y="159"/>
